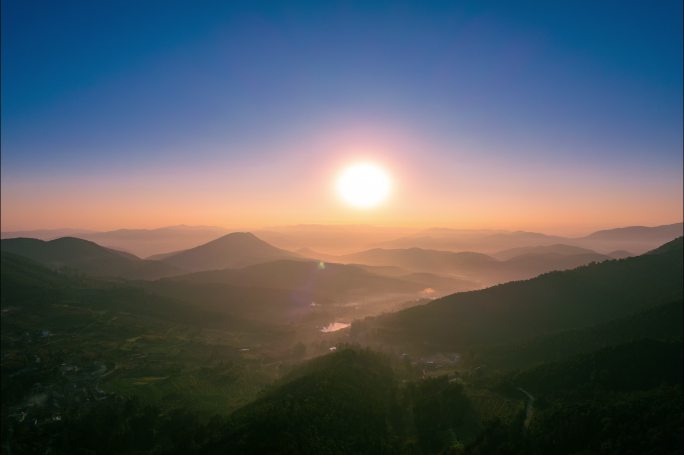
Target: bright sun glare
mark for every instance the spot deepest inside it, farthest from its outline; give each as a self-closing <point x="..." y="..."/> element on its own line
<point x="364" y="185"/>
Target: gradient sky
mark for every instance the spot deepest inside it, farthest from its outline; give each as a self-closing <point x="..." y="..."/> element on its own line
<point x="561" y="116"/>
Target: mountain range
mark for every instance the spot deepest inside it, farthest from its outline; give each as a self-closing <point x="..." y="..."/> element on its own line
<point x="438" y="271"/>
<point x="69" y="253"/>
<point x="552" y="302"/>
<point x="477" y="267"/>
<point x="338" y="240"/>
<point x="634" y="239"/>
<point x="141" y="242"/>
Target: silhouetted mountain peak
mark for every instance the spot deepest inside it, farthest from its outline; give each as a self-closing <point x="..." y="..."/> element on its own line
<point x="238" y="237"/>
<point x="234" y="250"/>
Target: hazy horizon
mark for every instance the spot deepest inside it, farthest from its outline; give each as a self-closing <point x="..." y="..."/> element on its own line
<point x="562" y="232"/>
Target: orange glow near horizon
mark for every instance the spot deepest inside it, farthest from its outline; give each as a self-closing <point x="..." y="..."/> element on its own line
<point x="105" y="207"/>
<point x="460" y="186"/>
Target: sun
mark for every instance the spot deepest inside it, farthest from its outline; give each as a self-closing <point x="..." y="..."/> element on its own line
<point x="364" y="185"/>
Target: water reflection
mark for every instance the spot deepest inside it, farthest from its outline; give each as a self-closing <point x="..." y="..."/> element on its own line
<point x="334" y="327"/>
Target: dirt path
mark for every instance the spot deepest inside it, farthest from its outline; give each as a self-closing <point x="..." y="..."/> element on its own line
<point x="529" y="409"/>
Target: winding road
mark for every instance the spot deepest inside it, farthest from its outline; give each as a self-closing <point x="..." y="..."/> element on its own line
<point x="529" y="409"/>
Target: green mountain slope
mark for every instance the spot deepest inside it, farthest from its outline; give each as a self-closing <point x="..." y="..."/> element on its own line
<point x="636" y="365"/>
<point x="662" y="322"/>
<point x="624" y="399"/>
<point x="351" y="401"/>
<point x="335" y="404"/>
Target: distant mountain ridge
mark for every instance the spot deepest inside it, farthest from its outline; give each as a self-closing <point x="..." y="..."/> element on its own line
<point x="476" y="267"/>
<point x="558" y="248"/>
<point x="235" y="250"/>
<point x="457" y="240"/>
<point x="46" y="234"/>
<point x="630" y="232"/>
<point x="86" y="257"/>
<point x="635" y="239"/>
<point x="330" y="239"/>
<point x="419" y="259"/>
<point x="346" y="239"/>
<point x="141" y="242"/>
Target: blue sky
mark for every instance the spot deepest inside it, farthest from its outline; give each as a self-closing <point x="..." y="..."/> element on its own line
<point x="105" y="88"/>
